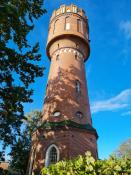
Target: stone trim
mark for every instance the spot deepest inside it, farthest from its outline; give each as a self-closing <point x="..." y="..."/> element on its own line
<point x="68" y="50"/>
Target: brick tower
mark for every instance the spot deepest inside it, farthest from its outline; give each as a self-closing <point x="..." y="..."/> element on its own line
<point x="66" y="130"/>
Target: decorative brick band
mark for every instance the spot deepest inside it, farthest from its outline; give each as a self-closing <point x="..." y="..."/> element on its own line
<point x="67" y="50"/>
<point x="67" y="123"/>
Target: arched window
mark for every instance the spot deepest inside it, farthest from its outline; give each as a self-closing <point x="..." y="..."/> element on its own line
<point x="67" y="23"/>
<point x="52" y="155"/>
<point x="55" y="24"/>
<point x="78" y="86"/>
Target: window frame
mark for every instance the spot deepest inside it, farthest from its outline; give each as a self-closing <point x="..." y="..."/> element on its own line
<point x="55" y="25"/>
<point x="78" y="86"/>
<point x="78" y="113"/>
<point x="56" y="112"/>
<point x="66" y="22"/>
<point x="47" y="155"/>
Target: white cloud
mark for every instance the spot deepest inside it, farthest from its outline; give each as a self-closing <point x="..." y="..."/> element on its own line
<point x="126" y="113"/>
<point x="125" y="26"/>
<point x="120" y="101"/>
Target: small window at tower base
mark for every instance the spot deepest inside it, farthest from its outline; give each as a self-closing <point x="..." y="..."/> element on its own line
<point x="57" y="114"/>
<point x="79" y="114"/>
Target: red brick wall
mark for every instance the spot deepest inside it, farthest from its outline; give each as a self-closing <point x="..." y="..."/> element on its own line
<point x="70" y="142"/>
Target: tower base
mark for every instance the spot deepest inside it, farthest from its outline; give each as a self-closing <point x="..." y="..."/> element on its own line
<point x="71" y="139"/>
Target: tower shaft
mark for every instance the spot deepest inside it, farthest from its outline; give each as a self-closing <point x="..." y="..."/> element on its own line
<point x="66" y="130"/>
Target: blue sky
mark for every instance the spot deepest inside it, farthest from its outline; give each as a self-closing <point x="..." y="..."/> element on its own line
<point x="108" y="69"/>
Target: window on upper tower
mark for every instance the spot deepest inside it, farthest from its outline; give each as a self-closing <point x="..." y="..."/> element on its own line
<point x="59" y="74"/>
<point x="55" y="25"/>
<point x="57" y="57"/>
<point x="77" y="46"/>
<point x="76" y="56"/>
<point x="62" y="9"/>
<point x="52" y="155"/>
<point x="78" y="86"/>
<point x="79" y="25"/>
<point x="67" y="23"/>
<point x="74" y="9"/>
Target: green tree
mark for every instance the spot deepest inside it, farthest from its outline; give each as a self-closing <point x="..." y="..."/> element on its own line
<point x="18" y="67"/>
<point x="124" y="149"/>
<point x="20" y="149"/>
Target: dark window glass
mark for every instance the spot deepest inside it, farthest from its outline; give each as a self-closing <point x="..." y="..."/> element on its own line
<point x="53" y="155"/>
<point x="57" y="57"/>
<point x="79" y="114"/>
<point x="78" y="25"/>
<point x="67" y="23"/>
<point x="78" y="88"/>
<point x="76" y="56"/>
<point x="55" y="25"/>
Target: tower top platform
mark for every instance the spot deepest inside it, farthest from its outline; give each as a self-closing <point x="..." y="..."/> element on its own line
<point x="68" y="22"/>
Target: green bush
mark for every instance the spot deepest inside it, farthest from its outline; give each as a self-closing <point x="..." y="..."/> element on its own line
<point x="86" y="165"/>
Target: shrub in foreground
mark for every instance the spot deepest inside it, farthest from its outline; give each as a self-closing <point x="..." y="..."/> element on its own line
<point x="86" y="165"/>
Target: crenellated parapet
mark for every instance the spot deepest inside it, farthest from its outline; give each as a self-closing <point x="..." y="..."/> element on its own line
<point x="69" y="9"/>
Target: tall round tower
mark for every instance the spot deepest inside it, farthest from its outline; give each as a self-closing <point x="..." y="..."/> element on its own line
<point x="66" y="129"/>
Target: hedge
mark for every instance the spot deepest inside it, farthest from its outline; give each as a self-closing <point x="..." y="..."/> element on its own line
<point x="87" y="165"/>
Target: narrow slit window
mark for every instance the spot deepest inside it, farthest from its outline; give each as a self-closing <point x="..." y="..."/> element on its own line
<point x="60" y="75"/>
<point x="76" y="56"/>
<point x="57" y="57"/>
<point x="79" y="27"/>
<point x="63" y="10"/>
<point x="67" y="26"/>
<point x="78" y="86"/>
<point x="74" y="9"/>
<point x="67" y="23"/>
<point x="55" y="25"/>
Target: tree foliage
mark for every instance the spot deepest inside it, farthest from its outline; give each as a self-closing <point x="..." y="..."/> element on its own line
<point x="124" y="149"/>
<point x="19" y="67"/>
<point x="86" y="165"/>
<point x="20" y="150"/>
